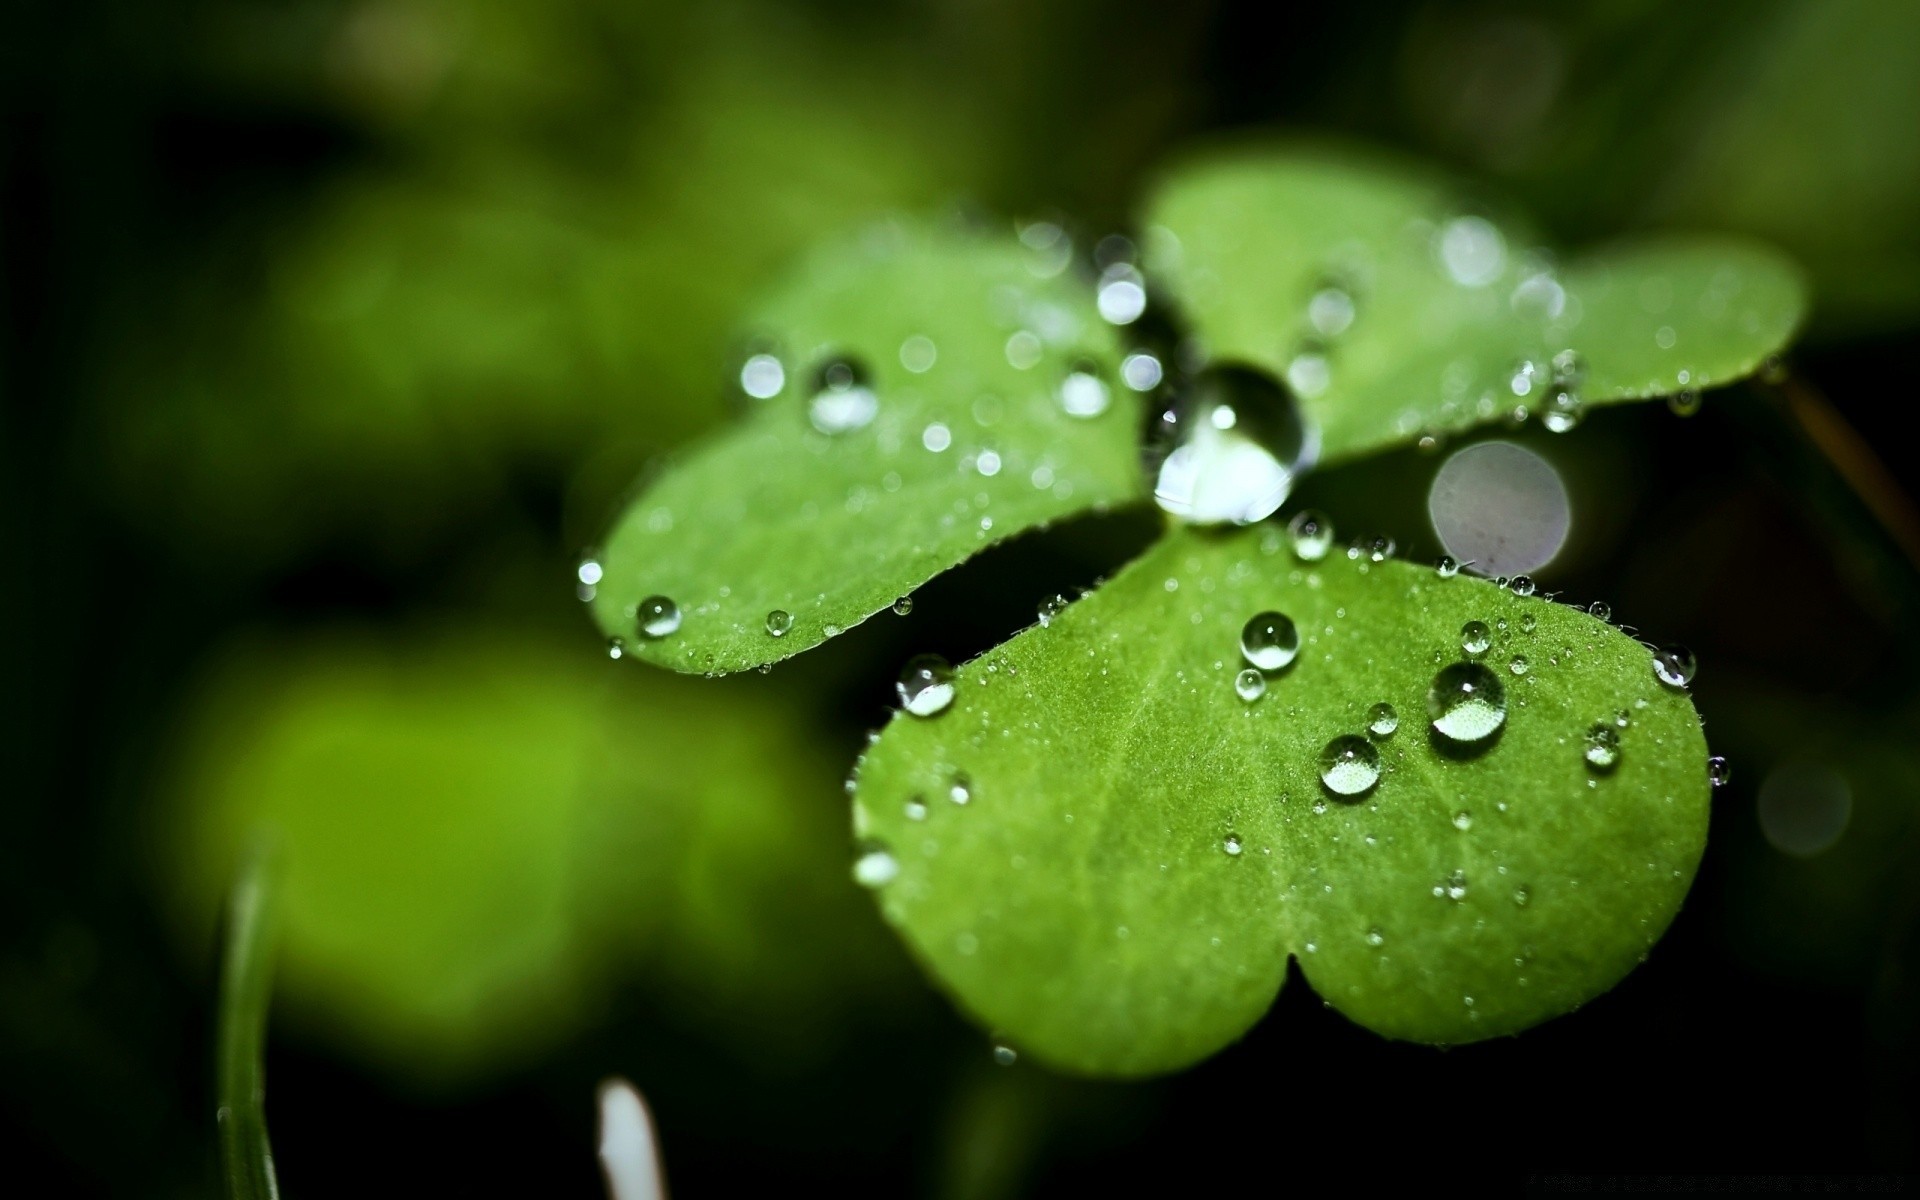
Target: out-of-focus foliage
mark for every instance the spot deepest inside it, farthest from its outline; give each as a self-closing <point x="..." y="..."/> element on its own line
<point x="482" y="834"/>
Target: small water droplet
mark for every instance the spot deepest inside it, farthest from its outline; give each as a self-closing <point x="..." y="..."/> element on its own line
<point x="658" y="617"/>
<point x="1250" y="685"/>
<point x="961" y="790"/>
<point x="1229" y="448"/>
<point x="1518" y="664"/>
<point x="1675" y="666"/>
<point x="1453" y="887"/>
<point x="1527" y="622"/>
<point x="1023" y="350"/>
<point x="1684" y="403"/>
<point x="1569" y="369"/>
<point x="1600" y="610"/>
<point x="1371" y="548"/>
<point x="1471" y="250"/>
<point x="1622" y="719"/>
<point x="1375" y="937"/>
<point x="875" y="868"/>
<point x="762" y="376"/>
<point x="1466" y="702"/>
<point x="918" y="353"/>
<point x="1719" y="771"/>
<point x="1349" y="765"/>
<point x="926" y="685"/>
<point x="1270" y="641"/>
<point x="589" y="572"/>
<point x="1463" y="820"/>
<point x="1122" y="294"/>
<point x="1562" y="411"/>
<point x="1523" y="585"/>
<point x="915" y="809"/>
<point x="1382" y="720"/>
<point x="1050" y="608"/>
<point x="1522" y="896"/>
<point x="779" y="621"/>
<point x="1310" y="533"/>
<point x="1445" y="567"/>
<point x="987" y="462"/>
<point x="1475" y="637"/>
<point x="1602" y="747"/>
<point x="616" y="647"/>
<point x="1330" y="311"/>
<point x="1004" y="1055"/>
<point x="842" y="400"/>
<point x="1141" y="371"/>
<point x="1083" y="393"/>
<point x="903" y="606"/>
<point x="1232" y="845"/>
<point x="1525" y="376"/>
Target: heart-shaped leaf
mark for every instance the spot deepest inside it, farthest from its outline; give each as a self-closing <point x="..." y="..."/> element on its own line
<point x="927" y="394"/>
<point x="1397" y="310"/>
<point x="1108" y="855"/>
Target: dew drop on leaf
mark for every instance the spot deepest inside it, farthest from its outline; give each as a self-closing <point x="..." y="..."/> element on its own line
<point x="903" y="606"/>
<point x="1603" y="747"/>
<point x="1445" y="567"/>
<point x="1231" y="845"/>
<point x="762" y="376"/>
<point x="1517" y="664"/>
<point x="960" y="791"/>
<point x="875" y="868"/>
<point x="1466" y="702"/>
<point x="1675" y="666"/>
<point x="1719" y="771"/>
<point x="1004" y="1055"/>
<point x="1083" y="393"/>
<point x="1475" y="637"/>
<point x="1250" y="685"/>
<point x="1600" y="610"/>
<point x="1684" y="403"/>
<point x="1228" y="450"/>
<point x="1349" y="765"/>
<point x="1270" y="641"/>
<point x="1311" y="534"/>
<point x="1141" y="371"/>
<point x="842" y="400"/>
<point x="658" y="616"/>
<point x="779" y="621"/>
<point x="1382" y="720"/>
<point x="926" y="685"/>
<point x="1050" y="608"/>
<point x="616" y="647"/>
<point x="1523" y="585"/>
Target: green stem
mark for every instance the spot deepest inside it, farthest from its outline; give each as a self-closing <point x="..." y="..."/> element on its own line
<point x="246" y="1158"/>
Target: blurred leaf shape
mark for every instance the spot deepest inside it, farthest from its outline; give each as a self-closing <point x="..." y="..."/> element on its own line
<point x="1398" y="309"/>
<point x="1140" y="850"/>
<point x="246" y="995"/>
<point x="483" y="836"/>
<point x="924" y="382"/>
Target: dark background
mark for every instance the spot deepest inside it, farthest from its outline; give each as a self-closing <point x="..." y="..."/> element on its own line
<point x="578" y="198"/>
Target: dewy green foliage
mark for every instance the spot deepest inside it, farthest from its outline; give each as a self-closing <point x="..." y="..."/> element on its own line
<point x="1101" y="850"/>
<point x="1084" y="899"/>
<point x="775" y="515"/>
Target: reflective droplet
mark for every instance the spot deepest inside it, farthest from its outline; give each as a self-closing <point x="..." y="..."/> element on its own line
<point x="875" y="868"/>
<point x="1463" y="820"/>
<point x="1719" y="771"/>
<point x="1005" y="1055"/>
<point x="1523" y="585"/>
<point x="1675" y="666"/>
<point x="1466" y="702"/>
<point x="1376" y="547"/>
<point x="1375" y="937"/>
<point x="1453" y="887"/>
<point x="1122" y="294"/>
<point x="903" y="606"/>
<point x="842" y="400"/>
<point x="1349" y="765"/>
<point x="987" y="462"/>
<point x="1250" y="685"/>
<point x="1526" y="376"/>
<point x="1269" y="641"/>
<point x="1569" y="369"/>
<point x="1475" y="637"/>
<point x="915" y="809"/>
<point x="616" y="647"/>
<point x="588" y="572"/>
<point x="1603" y="747"/>
<point x="1083" y="393"/>
<point x="1471" y="250"/>
<point x="1445" y="567"/>
<point x="657" y="616"/>
<point x="1684" y="403"/>
<point x="1330" y="311"/>
<point x="926" y="685"/>
<point x="1231" y="845"/>
<point x="1562" y="411"/>
<point x="1522" y="896"/>
<point x="1050" y="608"/>
<point x="1517" y="664"/>
<point x="762" y="376"/>
<point x="1601" y="610"/>
<point x="1023" y="350"/>
<point x="1311" y="535"/>
<point x="1229" y="449"/>
<point x="779" y="621"/>
<point x="917" y="354"/>
<point x="1141" y="371"/>
<point x="1382" y="720"/>
<point x="961" y="790"/>
<point x="936" y="437"/>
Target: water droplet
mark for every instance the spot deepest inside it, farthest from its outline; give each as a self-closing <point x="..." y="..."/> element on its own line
<point x="1049" y="248"/>
<point x="1518" y="664"/>
<point x="1522" y="896"/>
<point x="588" y="572"/>
<point x="1023" y="350"/>
<point x="1250" y="685"/>
<point x="1719" y="771"/>
<point x="1603" y="747"/>
<point x="961" y="790"/>
<point x="1463" y="820"/>
<point x="1527" y="622"/>
<point x="1472" y="251"/>
<point x="1622" y="719"/>
<point x="1569" y="369"/>
<point x="987" y="462"/>
<point x="1231" y="845"/>
<point x="915" y="809"/>
<point x="616" y="647"/>
<point x="917" y="354"/>
<point x="762" y="376"/>
<point x="1083" y="393"/>
<point x="1601" y="610"/>
<point x="936" y="437"/>
<point x="1141" y="371"/>
<point x="1523" y="585"/>
<point x="1229" y="449"/>
<point x="1309" y="374"/>
<point x="1445" y="567"/>
<point x="903" y="606"/>
<point x="1371" y="548"/>
<point x="779" y="621"/>
<point x="1675" y="666"/>
<point x="1349" y="765"/>
<point x="842" y="400"/>
<point x="1269" y="641"/>
<point x="1453" y="887"/>
<point x="1525" y="377"/>
<point x="1122" y="294"/>
<point x="1382" y="720"/>
<point x="875" y="868"/>
<point x="1330" y="311"/>
<point x="1050" y="608"/>
<point x="926" y="685"/>
<point x="1375" y="937"/>
<point x="1466" y="702"/>
<point x="1004" y="1055"/>
<point x="658" y="617"/>
<point x="1311" y="535"/>
<point x="1475" y="637"/>
<point x="1684" y="403"/>
<point x="1562" y="410"/>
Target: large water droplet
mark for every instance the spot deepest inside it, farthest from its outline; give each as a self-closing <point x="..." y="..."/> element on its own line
<point x="903" y="606"/>
<point x="1269" y="641"/>
<point x="1675" y="666"/>
<point x="1382" y="720"/>
<point x="875" y="868"/>
<point x="1230" y="448"/>
<point x="762" y="376"/>
<point x="842" y="400"/>
<point x="1141" y="371"/>
<point x="1084" y="393"/>
<point x="1122" y="294"/>
<point x="1349" y="765"/>
<point x="1471" y="250"/>
<point x="1603" y="746"/>
<point x="926" y="685"/>
<point x="779" y="621"/>
<point x="1601" y="610"/>
<point x="1475" y="637"/>
<point x="1466" y="702"/>
<point x="658" y="616"/>
<point x="1311" y="535"/>
<point x="1719" y="771"/>
<point x="1563" y="410"/>
<point x="1250" y="685"/>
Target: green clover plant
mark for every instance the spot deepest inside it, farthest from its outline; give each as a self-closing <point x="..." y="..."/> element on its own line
<point x="1107" y="837"/>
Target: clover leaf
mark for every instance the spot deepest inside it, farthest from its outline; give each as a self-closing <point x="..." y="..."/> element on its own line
<point x="1107" y="838"/>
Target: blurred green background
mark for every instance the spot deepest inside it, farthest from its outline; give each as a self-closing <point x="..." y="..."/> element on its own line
<point x="334" y="330"/>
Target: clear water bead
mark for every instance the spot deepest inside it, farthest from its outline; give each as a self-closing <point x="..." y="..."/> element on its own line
<point x="1684" y="403"/>
<point x="1600" y="610"/>
<point x="1562" y="411"/>
<point x="762" y="376"/>
<point x="1675" y="666"/>
<point x="842" y="400"/>
<point x="1083" y="393"/>
<point x="1603" y="746"/>
<point x="1311" y="535"/>
<point x="1382" y="720"/>
<point x="658" y="617"/>
<point x="1231" y="845"/>
<point x="1228" y="450"/>
<point x="903" y="606"/>
<point x="1446" y="567"/>
<point x="1475" y="637"/>
<point x="875" y="868"/>
<point x="926" y="685"/>
<point x="779" y="621"/>
<point x="1466" y="702"/>
<point x="1269" y="641"/>
<point x="1349" y="765"/>
<point x="1523" y="585"/>
<point x="1250" y="685"/>
<point x="1518" y="664"/>
<point x="1371" y="548"/>
<point x="1005" y="1055"/>
<point x="1050" y="608"/>
<point x="1719" y="771"/>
